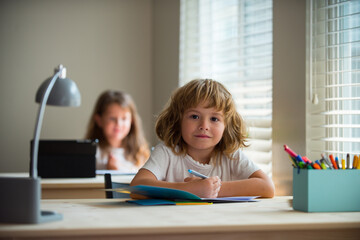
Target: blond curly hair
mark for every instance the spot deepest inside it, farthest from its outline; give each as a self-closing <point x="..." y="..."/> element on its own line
<point x="195" y="92"/>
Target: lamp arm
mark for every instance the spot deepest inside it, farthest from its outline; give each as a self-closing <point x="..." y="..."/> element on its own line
<point x="40" y="116"/>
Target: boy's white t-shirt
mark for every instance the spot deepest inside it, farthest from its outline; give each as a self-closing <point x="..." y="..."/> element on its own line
<point x="167" y="166"/>
<point x="118" y="153"/>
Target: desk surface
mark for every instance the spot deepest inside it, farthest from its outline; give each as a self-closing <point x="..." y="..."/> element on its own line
<point x="112" y="218"/>
<point x="97" y="181"/>
<point x="73" y="188"/>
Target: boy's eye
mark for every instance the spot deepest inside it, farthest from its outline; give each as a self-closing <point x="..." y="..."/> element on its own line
<point x="194" y="116"/>
<point x="214" y="119"/>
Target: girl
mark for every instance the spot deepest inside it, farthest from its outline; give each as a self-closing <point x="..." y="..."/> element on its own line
<point x="201" y="130"/>
<point x="117" y="125"/>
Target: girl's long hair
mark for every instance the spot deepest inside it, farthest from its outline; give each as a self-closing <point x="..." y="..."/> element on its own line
<point x="135" y="145"/>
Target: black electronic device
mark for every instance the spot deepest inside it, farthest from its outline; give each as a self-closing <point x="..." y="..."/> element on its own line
<point x="66" y="158"/>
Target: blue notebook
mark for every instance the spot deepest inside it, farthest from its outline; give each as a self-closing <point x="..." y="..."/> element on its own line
<point x="178" y="195"/>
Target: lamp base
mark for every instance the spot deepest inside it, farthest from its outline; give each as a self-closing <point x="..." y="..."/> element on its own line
<point x="20" y="201"/>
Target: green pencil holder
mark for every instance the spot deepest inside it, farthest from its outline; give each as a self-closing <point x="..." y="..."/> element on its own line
<point x="326" y="190"/>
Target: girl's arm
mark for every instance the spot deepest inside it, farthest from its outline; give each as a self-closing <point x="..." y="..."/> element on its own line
<point x="201" y="187"/>
<point x="258" y="184"/>
<point x="113" y="163"/>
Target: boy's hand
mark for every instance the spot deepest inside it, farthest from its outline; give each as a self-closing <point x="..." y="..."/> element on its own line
<point x="204" y="188"/>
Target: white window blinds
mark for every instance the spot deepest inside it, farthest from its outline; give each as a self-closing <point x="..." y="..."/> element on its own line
<point x="334" y="122"/>
<point x="231" y="42"/>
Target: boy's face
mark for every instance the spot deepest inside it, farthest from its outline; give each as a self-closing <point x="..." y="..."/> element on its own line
<point x="115" y="123"/>
<point x="202" y="128"/>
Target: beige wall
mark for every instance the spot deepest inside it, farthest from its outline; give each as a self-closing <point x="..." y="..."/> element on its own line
<point x="289" y="74"/>
<point x="166" y="52"/>
<point x="104" y="45"/>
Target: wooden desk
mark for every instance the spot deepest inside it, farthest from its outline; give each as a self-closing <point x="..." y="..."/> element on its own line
<point x="113" y="219"/>
<point x="73" y="188"/>
<point x="78" y="188"/>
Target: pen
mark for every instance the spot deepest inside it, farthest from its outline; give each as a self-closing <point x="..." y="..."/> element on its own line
<point x="193" y="203"/>
<point x="348" y="161"/>
<point x="316" y="166"/>
<point x="289" y="151"/>
<point x="333" y="161"/>
<point x="323" y="163"/>
<point x="323" y="166"/>
<point x="306" y="159"/>
<point x="343" y="163"/>
<point x="299" y="160"/>
<point x="337" y="162"/>
<point x="309" y="166"/>
<point x="197" y="174"/>
<point x="327" y="161"/>
<point x="301" y="164"/>
<point x="355" y="161"/>
<point x="293" y="161"/>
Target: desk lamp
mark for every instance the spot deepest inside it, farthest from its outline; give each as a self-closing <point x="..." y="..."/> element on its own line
<point x="20" y="197"/>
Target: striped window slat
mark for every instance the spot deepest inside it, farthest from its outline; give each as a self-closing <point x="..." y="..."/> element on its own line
<point x="231" y="42"/>
<point x="333" y="120"/>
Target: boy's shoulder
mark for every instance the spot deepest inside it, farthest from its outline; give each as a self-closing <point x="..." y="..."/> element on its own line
<point x="162" y="150"/>
<point x="238" y="155"/>
<point x="161" y="147"/>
